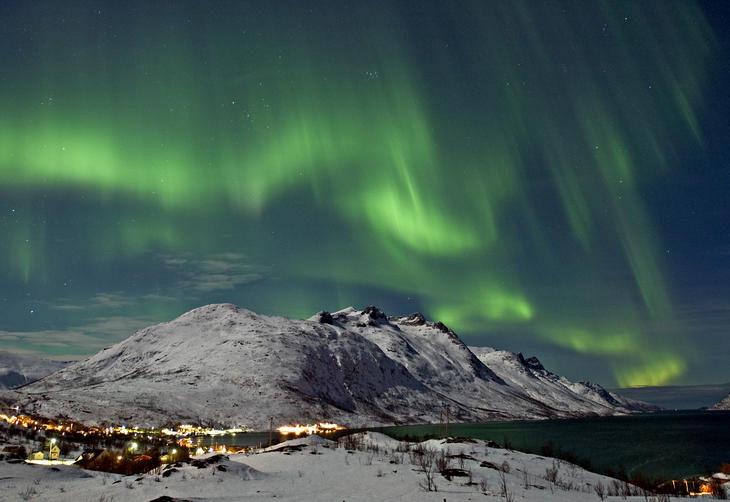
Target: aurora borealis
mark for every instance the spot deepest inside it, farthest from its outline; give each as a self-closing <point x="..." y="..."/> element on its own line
<point x="541" y="176"/>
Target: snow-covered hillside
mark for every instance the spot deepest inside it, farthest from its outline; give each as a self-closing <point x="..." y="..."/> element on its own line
<point x="722" y="405"/>
<point x="20" y="369"/>
<point x="366" y="467"/>
<point x="221" y="365"/>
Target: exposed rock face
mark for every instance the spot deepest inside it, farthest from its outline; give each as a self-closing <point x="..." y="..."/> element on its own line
<point x="324" y="317"/>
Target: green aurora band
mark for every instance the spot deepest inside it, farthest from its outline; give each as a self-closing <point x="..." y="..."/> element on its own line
<point x="481" y="171"/>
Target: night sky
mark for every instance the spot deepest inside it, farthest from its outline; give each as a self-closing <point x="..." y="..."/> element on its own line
<point x="549" y="177"/>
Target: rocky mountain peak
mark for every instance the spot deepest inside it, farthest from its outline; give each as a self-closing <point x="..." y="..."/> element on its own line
<point x="415" y="319"/>
<point x="534" y="363"/>
<point x="374" y="313"/>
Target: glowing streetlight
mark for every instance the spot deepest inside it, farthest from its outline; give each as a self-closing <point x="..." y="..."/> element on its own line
<point x="133" y="446"/>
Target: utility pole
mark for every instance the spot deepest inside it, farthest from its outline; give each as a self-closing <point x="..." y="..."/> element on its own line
<point x="271" y="431"/>
<point x="446" y="429"/>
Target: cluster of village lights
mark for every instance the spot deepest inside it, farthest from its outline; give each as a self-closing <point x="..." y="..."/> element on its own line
<point x="183" y="432"/>
<point x="298" y="430"/>
<point x="180" y="431"/>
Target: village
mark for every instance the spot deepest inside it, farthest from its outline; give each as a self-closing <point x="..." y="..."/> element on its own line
<point x="57" y="442"/>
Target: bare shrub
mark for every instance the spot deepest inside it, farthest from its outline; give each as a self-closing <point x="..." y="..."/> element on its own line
<point x="551" y="475"/>
<point x="442" y="461"/>
<point x="28" y="493"/>
<point x="415" y="453"/>
<point x="351" y="442"/>
<point x="600" y="490"/>
<point x="503" y="487"/>
<point x="427" y="462"/>
<point x="483" y="485"/>
<point x="525" y="477"/>
<point x="625" y="490"/>
<point x="614" y="488"/>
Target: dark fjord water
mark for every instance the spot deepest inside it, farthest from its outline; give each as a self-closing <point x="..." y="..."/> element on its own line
<point x="660" y="445"/>
<point x="667" y="445"/>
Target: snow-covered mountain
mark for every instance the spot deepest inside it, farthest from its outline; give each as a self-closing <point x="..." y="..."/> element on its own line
<point x="722" y="405"/>
<point x="20" y="369"/>
<point x="531" y="377"/>
<point x="222" y="365"/>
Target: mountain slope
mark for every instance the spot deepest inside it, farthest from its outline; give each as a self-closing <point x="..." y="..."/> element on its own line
<point x="722" y="405"/>
<point x="20" y="369"/>
<point x="221" y="365"/>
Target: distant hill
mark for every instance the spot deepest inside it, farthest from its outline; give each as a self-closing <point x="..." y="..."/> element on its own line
<point x="222" y="365"/>
<point x="20" y="369"/>
<point x="679" y="397"/>
<point x="722" y="405"/>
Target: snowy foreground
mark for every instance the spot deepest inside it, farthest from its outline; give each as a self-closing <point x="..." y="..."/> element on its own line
<point x="317" y="469"/>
